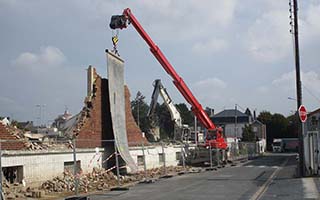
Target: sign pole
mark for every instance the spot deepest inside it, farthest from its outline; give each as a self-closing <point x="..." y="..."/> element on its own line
<point x="298" y="84"/>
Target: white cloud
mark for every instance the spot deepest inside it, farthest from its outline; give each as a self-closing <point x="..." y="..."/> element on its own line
<point x="310" y="80"/>
<point x="285" y="86"/>
<point x="211" y="83"/>
<point x="47" y="57"/>
<point x="209" y="91"/>
<point x="185" y="20"/>
<point x="268" y="38"/>
<point x="285" y="81"/>
<point x="309" y="24"/>
<point x="211" y="46"/>
<point x="42" y="78"/>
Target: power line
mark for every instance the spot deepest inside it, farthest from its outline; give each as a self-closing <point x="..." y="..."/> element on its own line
<point x="311" y="93"/>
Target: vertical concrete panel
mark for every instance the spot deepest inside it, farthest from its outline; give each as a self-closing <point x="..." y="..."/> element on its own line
<point x="115" y="67"/>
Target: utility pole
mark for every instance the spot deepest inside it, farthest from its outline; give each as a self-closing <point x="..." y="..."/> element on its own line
<point x="195" y="129"/>
<point x="293" y="4"/>
<point x="235" y="122"/>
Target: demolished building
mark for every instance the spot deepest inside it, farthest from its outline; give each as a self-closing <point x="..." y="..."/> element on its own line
<point x="94" y="133"/>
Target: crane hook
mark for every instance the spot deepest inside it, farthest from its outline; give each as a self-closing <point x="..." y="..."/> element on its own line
<point x="115" y="40"/>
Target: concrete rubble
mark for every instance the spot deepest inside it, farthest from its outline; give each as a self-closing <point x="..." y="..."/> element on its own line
<point x="95" y="181"/>
<point x="20" y="137"/>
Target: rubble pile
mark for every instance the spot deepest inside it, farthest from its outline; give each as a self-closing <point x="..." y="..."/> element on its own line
<point x="20" y="136"/>
<point x="97" y="180"/>
<point x="84" y="114"/>
<point x="17" y="133"/>
<point x="101" y="179"/>
<point x="17" y="191"/>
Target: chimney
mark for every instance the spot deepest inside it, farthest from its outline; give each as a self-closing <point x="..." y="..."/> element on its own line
<point x="90" y="81"/>
<point x="254" y="115"/>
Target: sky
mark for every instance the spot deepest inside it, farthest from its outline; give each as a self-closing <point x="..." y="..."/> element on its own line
<point x="228" y="52"/>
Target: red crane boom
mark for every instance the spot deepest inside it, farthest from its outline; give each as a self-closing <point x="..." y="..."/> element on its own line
<point x="121" y="21"/>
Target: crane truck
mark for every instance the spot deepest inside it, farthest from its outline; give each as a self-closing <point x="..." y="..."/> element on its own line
<point x="181" y="131"/>
<point x="214" y="136"/>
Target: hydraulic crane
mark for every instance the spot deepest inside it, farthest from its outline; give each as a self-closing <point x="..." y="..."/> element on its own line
<point x="214" y="136"/>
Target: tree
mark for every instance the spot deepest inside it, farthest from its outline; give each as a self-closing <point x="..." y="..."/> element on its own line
<point x="166" y="123"/>
<point x="247" y="134"/>
<point x="265" y="117"/>
<point x="276" y="125"/>
<point x="279" y="126"/>
<point x="186" y="114"/>
<point x="292" y="129"/>
<point x="139" y="110"/>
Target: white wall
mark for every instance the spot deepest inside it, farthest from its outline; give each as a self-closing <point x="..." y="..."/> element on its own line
<point x="152" y="155"/>
<point x="230" y="130"/>
<point x="39" y="166"/>
<point x="311" y="144"/>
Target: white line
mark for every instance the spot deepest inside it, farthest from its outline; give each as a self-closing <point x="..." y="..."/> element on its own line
<point x="310" y="190"/>
<point x="259" y="193"/>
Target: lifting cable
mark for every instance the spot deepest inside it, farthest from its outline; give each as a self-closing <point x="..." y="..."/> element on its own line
<point x="115" y="40"/>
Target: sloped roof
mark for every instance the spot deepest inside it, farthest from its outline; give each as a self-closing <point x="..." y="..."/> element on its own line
<point x="230" y="113"/>
<point x="314" y="112"/>
<point x="11" y="142"/>
<point x="258" y="122"/>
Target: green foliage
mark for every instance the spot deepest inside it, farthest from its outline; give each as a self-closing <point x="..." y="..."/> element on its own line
<point x="278" y="126"/>
<point x="265" y="117"/>
<point x="139" y="110"/>
<point x="293" y="121"/>
<point x="248" y="135"/>
<point x="166" y="124"/>
<point x="186" y="114"/>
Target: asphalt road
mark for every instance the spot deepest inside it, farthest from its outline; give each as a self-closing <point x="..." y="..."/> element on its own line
<point x="268" y="177"/>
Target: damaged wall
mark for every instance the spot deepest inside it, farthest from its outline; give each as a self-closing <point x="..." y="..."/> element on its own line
<point x="12" y="143"/>
<point x="95" y="121"/>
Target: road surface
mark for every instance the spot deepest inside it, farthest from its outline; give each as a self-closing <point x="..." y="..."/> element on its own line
<point x="269" y="177"/>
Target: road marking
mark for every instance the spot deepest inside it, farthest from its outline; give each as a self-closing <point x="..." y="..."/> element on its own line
<point x="262" y="166"/>
<point x="310" y="189"/>
<point x="262" y="189"/>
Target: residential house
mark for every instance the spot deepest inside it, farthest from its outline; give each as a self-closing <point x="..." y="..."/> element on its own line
<point x="259" y="129"/>
<point x="311" y="142"/>
<point x="232" y="121"/>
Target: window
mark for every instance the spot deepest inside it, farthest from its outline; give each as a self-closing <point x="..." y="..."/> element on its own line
<point x="161" y="158"/>
<point x="69" y="166"/>
<point x="140" y="160"/>
<point x="13" y="174"/>
<point x="255" y="129"/>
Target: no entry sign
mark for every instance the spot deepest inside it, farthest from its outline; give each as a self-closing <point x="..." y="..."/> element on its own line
<point x="303" y="113"/>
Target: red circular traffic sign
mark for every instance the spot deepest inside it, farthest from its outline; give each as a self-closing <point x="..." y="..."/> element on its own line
<point x="303" y="113"/>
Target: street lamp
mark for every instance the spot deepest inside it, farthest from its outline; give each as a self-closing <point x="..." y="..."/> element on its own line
<point x="41" y="108"/>
<point x="291" y="98"/>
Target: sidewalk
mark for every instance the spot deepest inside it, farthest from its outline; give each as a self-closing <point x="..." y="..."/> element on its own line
<point x="286" y="186"/>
